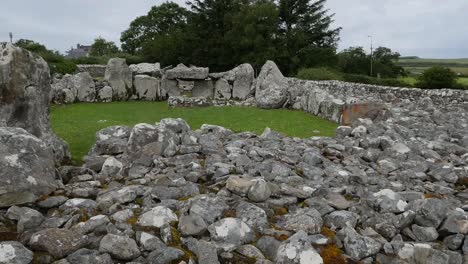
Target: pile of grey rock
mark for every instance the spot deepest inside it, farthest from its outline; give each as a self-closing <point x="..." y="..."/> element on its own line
<point x="386" y="190"/>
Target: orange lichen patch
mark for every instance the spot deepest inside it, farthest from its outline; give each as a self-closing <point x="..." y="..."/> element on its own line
<point x="229" y="213"/>
<point x="432" y="195"/>
<point x="184" y="198"/>
<point x="331" y="254"/>
<point x="280" y="210"/>
<point x="328" y="232"/>
<point x="282" y="237"/>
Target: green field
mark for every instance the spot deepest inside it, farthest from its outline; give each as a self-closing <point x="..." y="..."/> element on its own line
<point x="418" y="65"/>
<point x="411" y="80"/>
<point x="78" y="123"/>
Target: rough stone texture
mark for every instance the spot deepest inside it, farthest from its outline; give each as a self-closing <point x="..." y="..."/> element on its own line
<point x="27" y="169"/>
<point x="57" y="242"/>
<point x="119" y="77"/>
<point x="12" y="252"/>
<point x="79" y="87"/>
<point x="25" y="94"/>
<point x="95" y="70"/>
<point x="223" y="90"/>
<point x="298" y="250"/>
<point x="184" y="72"/>
<point x="105" y="94"/>
<point x="120" y="247"/>
<point x="146" y="87"/>
<point x="271" y="89"/>
<point x="203" y="89"/>
<point x="242" y="80"/>
<point x="151" y="69"/>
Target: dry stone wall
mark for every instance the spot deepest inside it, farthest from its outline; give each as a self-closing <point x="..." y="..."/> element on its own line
<point x="195" y="86"/>
<point x="95" y="70"/>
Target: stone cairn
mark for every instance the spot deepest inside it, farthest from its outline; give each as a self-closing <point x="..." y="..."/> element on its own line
<point x="389" y="188"/>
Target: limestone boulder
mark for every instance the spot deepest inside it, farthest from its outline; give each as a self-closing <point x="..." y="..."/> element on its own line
<point x="184" y="72"/>
<point x="25" y="94"/>
<point x="119" y="77"/>
<point x="74" y="88"/>
<point x="146" y="87"/>
<point x="105" y="94"/>
<point x="203" y="88"/>
<point x="151" y="69"/>
<point x="243" y="81"/>
<point x="27" y="169"/>
<point x="271" y="89"/>
<point x="223" y="90"/>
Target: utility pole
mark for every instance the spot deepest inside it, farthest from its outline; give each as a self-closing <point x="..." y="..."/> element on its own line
<point x="371" y="56"/>
<point x="11" y="38"/>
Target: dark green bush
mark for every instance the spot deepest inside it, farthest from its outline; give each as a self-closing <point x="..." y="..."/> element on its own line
<point x="437" y="77"/>
<point x="62" y="67"/>
<point x="319" y="74"/>
<point x="356" y="78"/>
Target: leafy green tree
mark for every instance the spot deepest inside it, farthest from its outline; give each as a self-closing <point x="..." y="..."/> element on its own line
<point x="252" y="34"/>
<point x="384" y="60"/>
<point x="57" y="62"/>
<point x="102" y="47"/>
<point x="210" y="22"/>
<point x="354" y="60"/>
<point x="437" y="77"/>
<point x="162" y="19"/>
<point x="304" y="27"/>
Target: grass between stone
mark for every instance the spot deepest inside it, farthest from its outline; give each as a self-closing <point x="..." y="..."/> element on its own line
<point x="78" y="123"/>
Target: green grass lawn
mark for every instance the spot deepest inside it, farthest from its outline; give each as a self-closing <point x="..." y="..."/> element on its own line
<point x="78" y="123"/>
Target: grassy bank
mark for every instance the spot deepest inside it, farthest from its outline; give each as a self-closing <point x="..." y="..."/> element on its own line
<point x="78" y="123"/>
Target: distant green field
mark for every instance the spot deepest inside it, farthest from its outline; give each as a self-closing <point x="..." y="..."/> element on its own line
<point x="416" y="66"/>
<point x="412" y="80"/>
<point x="434" y="61"/>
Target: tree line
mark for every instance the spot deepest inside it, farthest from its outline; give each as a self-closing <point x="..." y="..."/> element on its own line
<point x="221" y="34"/>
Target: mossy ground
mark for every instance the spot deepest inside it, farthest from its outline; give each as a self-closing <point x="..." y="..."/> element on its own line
<point x="78" y="123"/>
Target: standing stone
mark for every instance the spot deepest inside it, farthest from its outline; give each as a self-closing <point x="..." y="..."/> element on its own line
<point x="25" y="95"/>
<point x="223" y="89"/>
<point x="119" y="77"/>
<point x="203" y="88"/>
<point x="86" y="90"/>
<point x="271" y="90"/>
<point x="146" y="87"/>
<point x="243" y="81"/>
<point x="169" y="87"/>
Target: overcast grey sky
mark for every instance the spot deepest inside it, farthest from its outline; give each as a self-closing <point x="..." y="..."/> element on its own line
<point x="426" y="28"/>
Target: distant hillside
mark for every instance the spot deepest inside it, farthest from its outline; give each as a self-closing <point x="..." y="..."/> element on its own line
<point x="416" y="65"/>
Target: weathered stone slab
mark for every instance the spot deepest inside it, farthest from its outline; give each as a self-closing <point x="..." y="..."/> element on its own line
<point x="203" y="88"/>
<point x="146" y="87"/>
<point x="184" y="72"/>
<point x="119" y="76"/>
